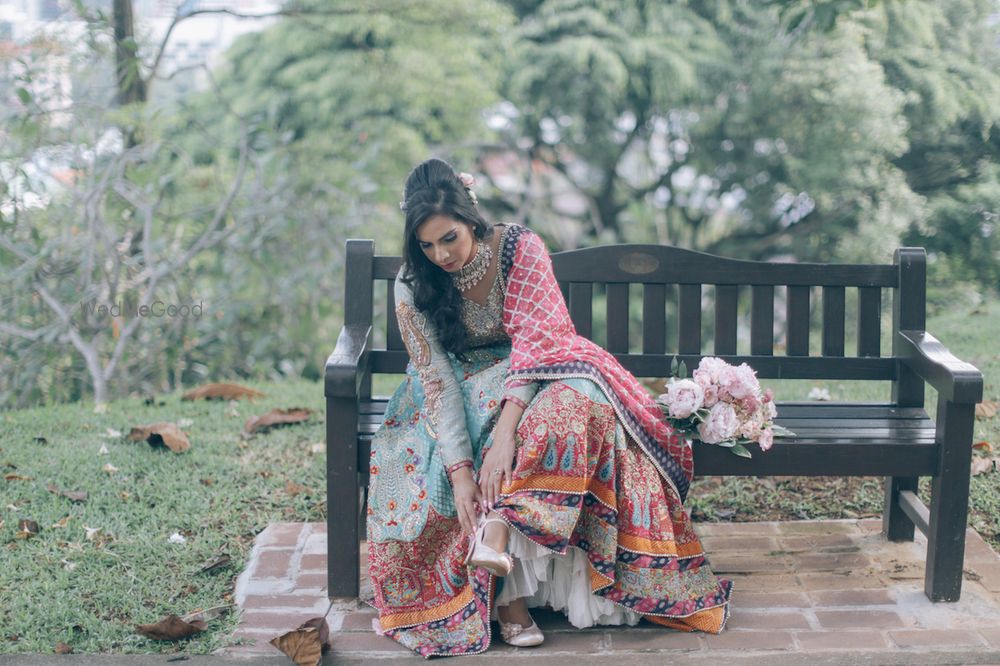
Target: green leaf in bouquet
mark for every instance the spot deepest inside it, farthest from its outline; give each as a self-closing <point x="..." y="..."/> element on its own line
<point x="673" y="367"/>
<point x="781" y="431"/>
<point x="682" y="370"/>
<point x="728" y="444"/>
<point x="740" y="450"/>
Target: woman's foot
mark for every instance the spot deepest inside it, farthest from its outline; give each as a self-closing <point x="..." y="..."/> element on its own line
<point x="516" y="625"/>
<point x="483" y="554"/>
<point x="496" y="533"/>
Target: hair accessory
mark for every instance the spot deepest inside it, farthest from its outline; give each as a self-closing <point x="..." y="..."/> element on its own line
<point x="472" y="273"/>
<point x="468" y="180"/>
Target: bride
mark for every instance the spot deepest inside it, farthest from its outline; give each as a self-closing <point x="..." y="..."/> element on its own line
<point x="518" y="465"/>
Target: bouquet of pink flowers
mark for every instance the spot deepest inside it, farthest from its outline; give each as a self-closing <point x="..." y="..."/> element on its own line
<point x="721" y="404"/>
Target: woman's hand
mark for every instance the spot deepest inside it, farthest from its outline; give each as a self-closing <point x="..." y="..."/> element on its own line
<point x="498" y="466"/>
<point x="467" y="497"/>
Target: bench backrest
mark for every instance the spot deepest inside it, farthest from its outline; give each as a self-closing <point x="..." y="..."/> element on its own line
<point x="703" y="292"/>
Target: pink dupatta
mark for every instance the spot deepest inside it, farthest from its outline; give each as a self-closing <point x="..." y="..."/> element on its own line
<point x="545" y="345"/>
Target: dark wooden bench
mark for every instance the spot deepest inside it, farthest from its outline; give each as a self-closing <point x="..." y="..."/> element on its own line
<point x="895" y="439"/>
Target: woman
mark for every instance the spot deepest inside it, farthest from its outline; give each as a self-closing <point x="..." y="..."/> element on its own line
<point x="518" y="465"/>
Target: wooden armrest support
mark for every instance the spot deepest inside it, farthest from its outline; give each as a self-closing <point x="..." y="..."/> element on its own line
<point x="953" y="379"/>
<point x="348" y="364"/>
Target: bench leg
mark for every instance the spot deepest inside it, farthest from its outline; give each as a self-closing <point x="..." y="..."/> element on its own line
<point x="949" y="510"/>
<point x="343" y="564"/>
<point x="896" y="525"/>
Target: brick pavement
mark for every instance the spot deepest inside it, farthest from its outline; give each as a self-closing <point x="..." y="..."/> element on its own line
<point x="805" y="592"/>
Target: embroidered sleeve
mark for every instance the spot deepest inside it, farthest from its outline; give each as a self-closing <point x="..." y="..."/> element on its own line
<point x="444" y="408"/>
<point x="521" y="394"/>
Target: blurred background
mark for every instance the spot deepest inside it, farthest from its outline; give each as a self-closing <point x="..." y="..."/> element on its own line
<point x="207" y="159"/>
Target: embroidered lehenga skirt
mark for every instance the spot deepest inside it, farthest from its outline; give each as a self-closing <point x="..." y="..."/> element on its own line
<point x="596" y="531"/>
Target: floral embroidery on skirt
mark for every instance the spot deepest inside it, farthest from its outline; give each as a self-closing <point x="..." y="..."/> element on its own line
<point x="579" y="482"/>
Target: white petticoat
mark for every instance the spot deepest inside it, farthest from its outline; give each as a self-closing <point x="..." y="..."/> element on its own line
<point x="560" y="581"/>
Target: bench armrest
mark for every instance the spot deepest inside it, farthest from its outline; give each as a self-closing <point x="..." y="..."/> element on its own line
<point x="348" y="365"/>
<point x="953" y="379"/>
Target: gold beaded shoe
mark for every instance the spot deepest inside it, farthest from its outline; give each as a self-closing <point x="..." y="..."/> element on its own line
<point x="481" y="555"/>
<point x="519" y="635"/>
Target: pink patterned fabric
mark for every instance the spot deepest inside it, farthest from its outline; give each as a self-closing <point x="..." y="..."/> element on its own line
<point x="545" y="345"/>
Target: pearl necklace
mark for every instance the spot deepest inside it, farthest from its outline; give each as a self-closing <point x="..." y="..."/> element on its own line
<point x="472" y="273"/>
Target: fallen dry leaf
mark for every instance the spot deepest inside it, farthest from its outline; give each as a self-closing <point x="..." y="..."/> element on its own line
<point x="26" y="529"/>
<point x="306" y="644"/>
<point x="293" y="489"/>
<point x="171" y="628"/>
<point x="277" y="417"/>
<point x="161" y="434"/>
<point x="62" y="522"/>
<point x="222" y="392"/>
<point x="983" y="446"/>
<point x="317" y="448"/>
<point x="987" y="409"/>
<point x="92" y="532"/>
<point x="103" y="451"/>
<point x="16" y="477"/>
<point x="109" y="468"/>
<point x="208" y="614"/>
<point x="75" y="495"/>
<point x="62" y="648"/>
<point x="982" y="465"/>
<point x="216" y="564"/>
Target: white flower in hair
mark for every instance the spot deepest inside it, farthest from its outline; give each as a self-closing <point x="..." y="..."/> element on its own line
<point x="468" y="181"/>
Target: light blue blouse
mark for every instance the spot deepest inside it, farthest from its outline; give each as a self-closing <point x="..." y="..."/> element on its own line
<point x="443" y="395"/>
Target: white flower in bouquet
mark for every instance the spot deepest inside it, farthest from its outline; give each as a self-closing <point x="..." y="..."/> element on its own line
<point x="683" y="398"/>
<point x="720" y="425"/>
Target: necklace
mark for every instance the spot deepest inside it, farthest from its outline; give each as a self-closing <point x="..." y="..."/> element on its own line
<point x="472" y="273"/>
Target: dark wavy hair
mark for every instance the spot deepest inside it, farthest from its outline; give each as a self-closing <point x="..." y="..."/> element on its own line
<point x="433" y="188"/>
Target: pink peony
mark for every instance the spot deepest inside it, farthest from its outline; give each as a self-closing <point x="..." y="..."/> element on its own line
<point x="720" y="425"/>
<point x="766" y="439"/>
<point x="683" y="398"/>
<point x="708" y="370"/>
<point x="752" y="425"/>
<point x="772" y="411"/>
<point x="711" y="395"/>
<point x="749" y="404"/>
<point x="740" y="382"/>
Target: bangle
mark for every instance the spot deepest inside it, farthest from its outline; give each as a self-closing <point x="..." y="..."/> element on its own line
<point x="457" y="466"/>
<point x="514" y="399"/>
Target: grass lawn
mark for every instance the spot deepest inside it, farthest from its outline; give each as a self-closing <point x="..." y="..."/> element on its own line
<point x="60" y="586"/>
<point x="88" y="588"/>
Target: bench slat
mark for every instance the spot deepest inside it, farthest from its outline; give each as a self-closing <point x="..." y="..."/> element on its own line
<point x="617" y="319"/>
<point x="762" y="320"/>
<point x="869" y="321"/>
<point x="833" y="321"/>
<point x="654" y="319"/>
<point x="689" y="320"/>
<point x="725" y="318"/>
<point x="797" y="317"/>
<point x="393" y="338"/>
